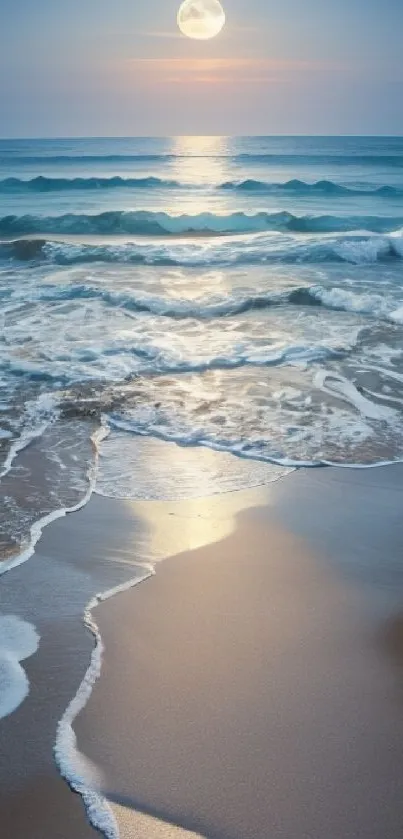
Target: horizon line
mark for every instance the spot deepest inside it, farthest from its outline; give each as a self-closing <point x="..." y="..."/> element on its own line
<point x="175" y="136"/>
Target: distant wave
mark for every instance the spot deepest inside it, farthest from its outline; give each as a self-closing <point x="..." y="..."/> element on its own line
<point x="85" y="158"/>
<point x="144" y="223"/>
<point x="337" y="298"/>
<point x="389" y="160"/>
<point x="297" y="187"/>
<point x="360" y="249"/>
<point x="42" y="184"/>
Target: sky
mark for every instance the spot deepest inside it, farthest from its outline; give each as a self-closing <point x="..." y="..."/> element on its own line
<point x="98" y="68"/>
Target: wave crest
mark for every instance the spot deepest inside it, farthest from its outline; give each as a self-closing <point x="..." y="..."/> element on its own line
<point x="301" y="188"/>
<point x="389" y="160"/>
<point x="360" y="249"/>
<point x="43" y="184"/>
<point x="147" y="223"/>
<point x="336" y="298"/>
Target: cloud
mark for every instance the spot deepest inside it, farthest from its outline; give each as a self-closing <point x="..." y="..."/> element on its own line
<point x="222" y="80"/>
<point x="226" y="63"/>
<point x="168" y="35"/>
<point x="208" y="70"/>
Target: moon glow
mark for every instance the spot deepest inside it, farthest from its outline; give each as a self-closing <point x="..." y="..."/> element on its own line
<point x="201" y="19"/>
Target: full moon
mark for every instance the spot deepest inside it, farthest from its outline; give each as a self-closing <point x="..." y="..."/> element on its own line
<point x="201" y="19"/>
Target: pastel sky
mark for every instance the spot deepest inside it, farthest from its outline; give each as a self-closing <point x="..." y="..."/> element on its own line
<point x="102" y="68"/>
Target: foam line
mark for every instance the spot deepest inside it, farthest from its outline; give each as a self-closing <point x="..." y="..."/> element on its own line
<point x="99" y="812"/>
<point x="45" y="404"/>
<point x="271" y="247"/>
<point x="334" y="298"/>
<point x="18" y="637"/>
<point x="291" y="463"/>
<point x="14" y="684"/>
<point x="39" y="526"/>
<point x="339" y="386"/>
<point x="18" y="641"/>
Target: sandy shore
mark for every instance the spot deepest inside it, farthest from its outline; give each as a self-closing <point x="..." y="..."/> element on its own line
<point x="251" y="688"/>
<point x="76" y="557"/>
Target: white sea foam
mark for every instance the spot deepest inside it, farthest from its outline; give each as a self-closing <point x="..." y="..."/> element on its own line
<point x="357" y="248"/>
<point x="38" y="527"/>
<point x="38" y="414"/>
<point x="340" y="386"/>
<point x="14" y="684"/>
<point x="145" y="468"/>
<point x="237" y="448"/>
<point x="397" y="315"/>
<point x="343" y="299"/>
<point x="37" y="530"/>
<point x="18" y="641"/>
<point x="365" y="251"/>
<point x="397" y="240"/>
<point x="17" y="637"/>
<point x="67" y="756"/>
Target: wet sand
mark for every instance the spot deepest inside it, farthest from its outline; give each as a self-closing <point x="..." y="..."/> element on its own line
<point x="76" y="557"/>
<point x="251" y="688"/>
<point x="107" y="543"/>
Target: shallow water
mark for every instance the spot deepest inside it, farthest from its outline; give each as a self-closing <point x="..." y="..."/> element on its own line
<point x="244" y="295"/>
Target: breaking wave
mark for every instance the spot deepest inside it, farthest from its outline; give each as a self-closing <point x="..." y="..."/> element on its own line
<point x="297" y="187"/>
<point x="42" y="184"/>
<point x="271" y="248"/>
<point x="335" y="298"/>
<point x="89" y="158"/>
<point x="152" y="360"/>
<point x="147" y="223"/>
<point x="389" y="160"/>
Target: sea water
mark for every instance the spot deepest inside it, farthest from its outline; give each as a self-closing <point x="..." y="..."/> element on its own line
<point x="243" y="295"/>
<point x="180" y="317"/>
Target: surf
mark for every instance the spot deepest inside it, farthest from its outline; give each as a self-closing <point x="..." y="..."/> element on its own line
<point x="263" y="249"/>
<point x="148" y="223"/>
<point x="295" y="187"/>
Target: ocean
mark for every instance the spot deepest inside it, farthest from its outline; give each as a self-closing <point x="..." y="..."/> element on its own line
<point x="243" y="295"/>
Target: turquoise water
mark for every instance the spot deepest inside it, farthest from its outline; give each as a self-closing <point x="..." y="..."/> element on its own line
<point x="240" y="294"/>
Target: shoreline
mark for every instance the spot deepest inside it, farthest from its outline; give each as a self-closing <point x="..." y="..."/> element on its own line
<point x="51" y="591"/>
<point x="195" y="534"/>
<point x="161" y="772"/>
<point x="231" y="317"/>
<point x="74" y="557"/>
